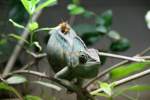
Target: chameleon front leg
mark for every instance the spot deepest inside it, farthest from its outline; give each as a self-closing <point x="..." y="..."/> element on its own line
<point x="65" y="74"/>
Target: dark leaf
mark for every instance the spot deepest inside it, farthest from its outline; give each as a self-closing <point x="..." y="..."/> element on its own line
<point x="105" y="19"/>
<point x="120" y="45"/>
<point x="75" y="9"/>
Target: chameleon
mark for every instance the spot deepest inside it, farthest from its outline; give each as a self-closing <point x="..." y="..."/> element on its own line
<point x="68" y="55"/>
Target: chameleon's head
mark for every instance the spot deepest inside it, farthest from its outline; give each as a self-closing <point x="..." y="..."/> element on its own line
<point x="90" y="55"/>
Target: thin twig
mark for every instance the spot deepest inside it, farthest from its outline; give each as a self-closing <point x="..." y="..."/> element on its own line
<point x="121" y="57"/>
<point x="27" y="65"/>
<point x="125" y="80"/>
<point x="19" y="46"/>
<point x="39" y="55"/>
<point x="64" y="83"/>
<point x="132" y="77"/>
<point x="115" y="66"/>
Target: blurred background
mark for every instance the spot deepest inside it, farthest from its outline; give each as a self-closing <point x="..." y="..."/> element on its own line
<point x="128" y="19"/>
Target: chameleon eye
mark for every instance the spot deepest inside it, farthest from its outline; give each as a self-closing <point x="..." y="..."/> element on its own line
<point x="82" y="59"/>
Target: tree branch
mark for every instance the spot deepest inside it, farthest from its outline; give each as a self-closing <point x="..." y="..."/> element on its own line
<point x="19" y="46"/>
<point x="121" y="57"/>
<point x="115" y="66"/>
<point x="125" y="80"/>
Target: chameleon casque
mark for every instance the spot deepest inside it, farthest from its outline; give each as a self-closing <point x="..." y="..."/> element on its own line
<point x="68" y="55"/>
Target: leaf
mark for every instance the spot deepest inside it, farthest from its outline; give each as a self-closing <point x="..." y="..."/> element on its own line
<point x="127" y="69"/>
<point x="105" y="19"/>
<point x="18" y="38"/>
<point x="33" y="26"/>
<point x="139" y="88"/>
<point x="75" y="9"/>
<point x="49" y="85"/>
<point x="16" y="24"/>
<point x="102" y="29"/>
<point x="46" y="4"/>
<point x="88" y="14"/>
<point x="30" y="5"/>
<point x="88" y="33"/>
<point x="120" y="45"/>
<point x="16" y="79"/>
<point x="37" y="45"/>
<point x="30" y="97"/>
<point x="6" y="87"/>
<point x="114" y="35"/>
<point x="106" y="88"/>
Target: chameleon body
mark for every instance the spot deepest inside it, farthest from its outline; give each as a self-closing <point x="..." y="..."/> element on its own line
<point x="69" y="56"/>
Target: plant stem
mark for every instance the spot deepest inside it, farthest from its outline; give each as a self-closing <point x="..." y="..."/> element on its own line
<point x="115" y="66"/>
<point x="121" y="57"/>
<point x="19" y="46"/>
<point x="132" y="77"/>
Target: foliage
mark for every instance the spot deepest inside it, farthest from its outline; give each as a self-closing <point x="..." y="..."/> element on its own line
<point x="125" y="70"/>
<point x="90" y="33"/>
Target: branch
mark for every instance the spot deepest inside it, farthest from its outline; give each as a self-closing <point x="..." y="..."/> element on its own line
<point x="132" y="77"/>
<point x="64" y="83"/>
<point x="19" y="46"/>
<point x="121" y="57"/>
<point x="115" y="66"/>
<point x="125" y="80"/>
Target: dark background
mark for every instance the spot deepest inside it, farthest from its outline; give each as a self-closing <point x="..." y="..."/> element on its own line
<point x="128" y="19"/>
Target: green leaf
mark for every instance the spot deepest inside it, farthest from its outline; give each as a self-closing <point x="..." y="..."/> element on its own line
<point x="135" y="88"/>
<point x="16" y="79"/>
<point x="30" y="97"/>
<point x="6" y="87"/>
<point x="18" y="37"/>
<point x="114" y="35"/>
<point x="46" y="4"/>
<point x="75" y="9"/>
<point x="37" y="45"/>
<point x="127" y="69"/>
<point x="16" y="24"/>
<point x="102" y="29"/>
<point x="104" y="87"/>
<point x="49" y="85"/>
<point x="30" y="5"/>
<point x="88" y="33"/>
<point x="105" y="19"/>
<point x="107" y="88"/>
<point x="88" y="14"/>
<point x="33" y="26"/>
<point x="120" y="45"/>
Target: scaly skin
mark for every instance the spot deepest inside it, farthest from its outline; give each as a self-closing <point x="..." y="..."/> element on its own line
<point x="69" y="56"/>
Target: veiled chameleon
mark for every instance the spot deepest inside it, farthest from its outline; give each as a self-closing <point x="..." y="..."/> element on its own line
<point x="69" y="56"/>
